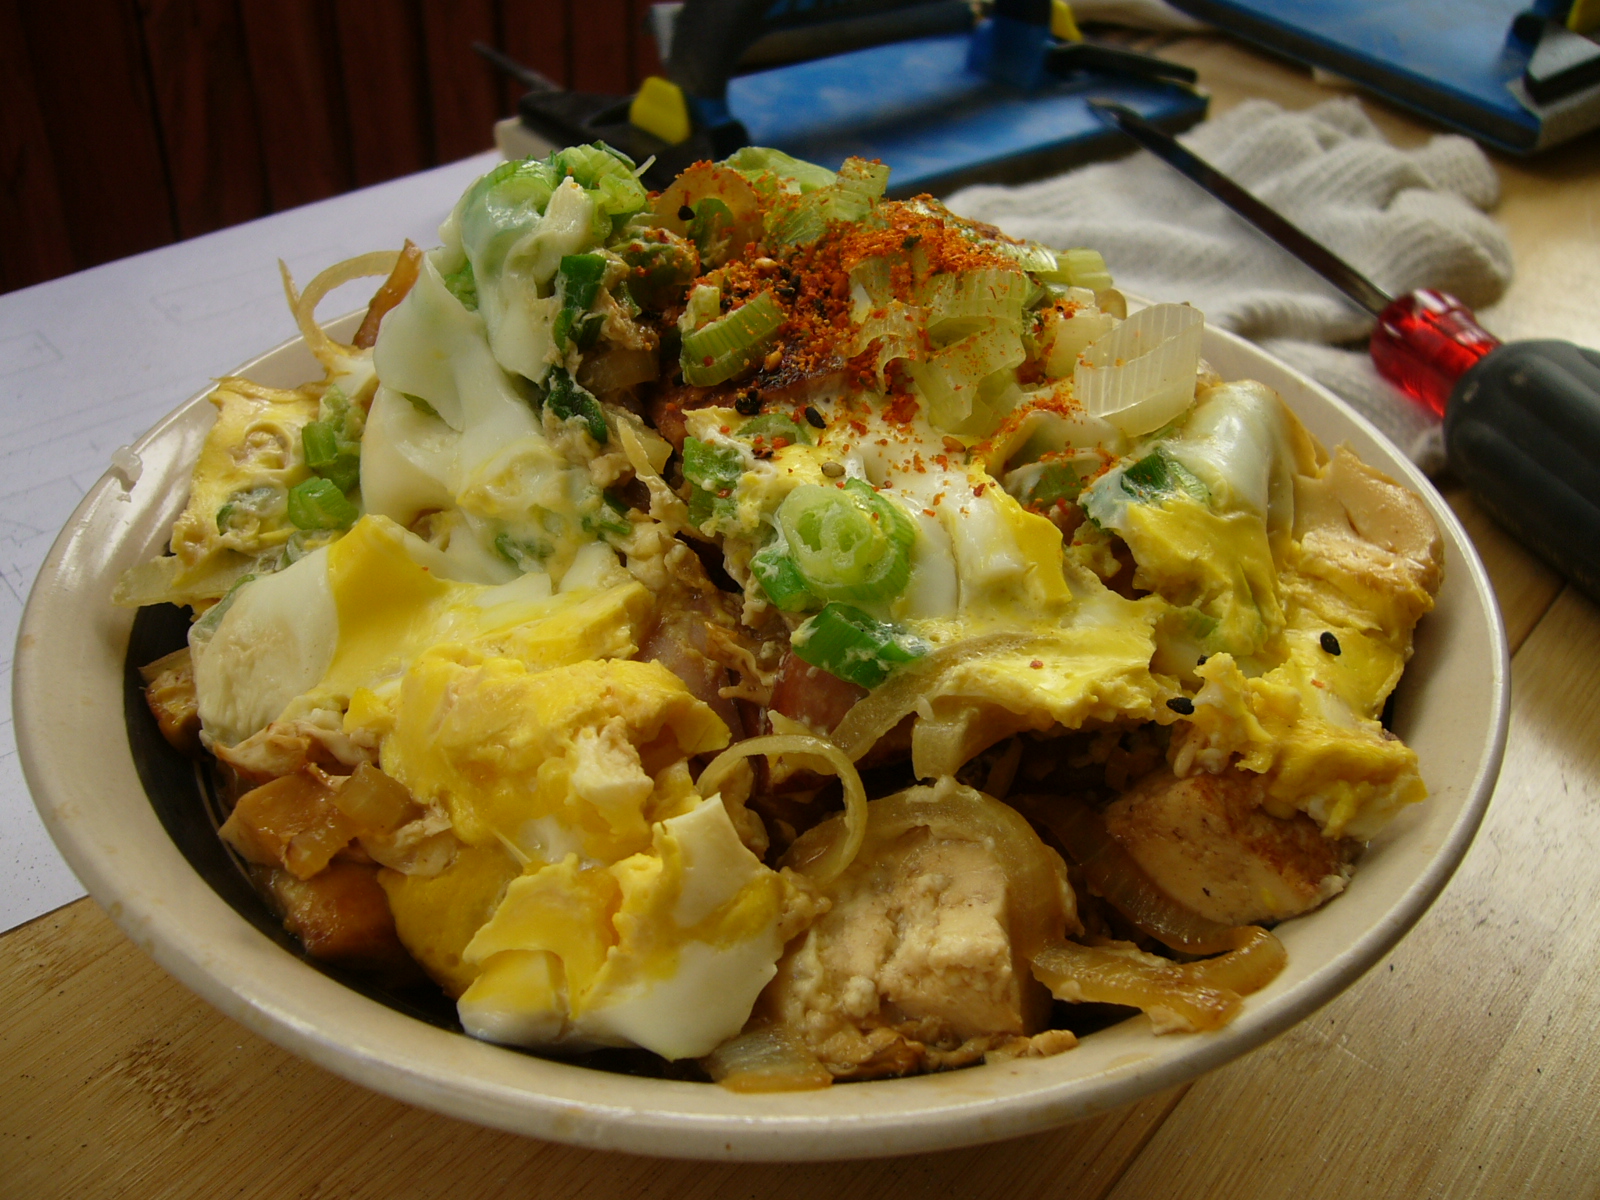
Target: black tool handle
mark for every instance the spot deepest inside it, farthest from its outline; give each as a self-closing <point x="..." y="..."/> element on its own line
<point x="710" y="36"/>
<point x="1522" y="431"/>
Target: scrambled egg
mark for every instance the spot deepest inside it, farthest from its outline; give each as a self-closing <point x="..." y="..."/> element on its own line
<point x="472" y="560"/>
<point x="594" y="892"/>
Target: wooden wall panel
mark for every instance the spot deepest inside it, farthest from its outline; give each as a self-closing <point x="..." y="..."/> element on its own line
<point x="386" y="87"/>
<point x="537" y="33"/>
<point x="203" y="97"/>
<point x="295" y="74"/>
<point x="646" y="61"/>
<point x="94" y="100"/>
<point x="30" y="200"/>
<point x="464" y="88"/>
<point x="602" y="45"/>
<point x="127" y="123"/>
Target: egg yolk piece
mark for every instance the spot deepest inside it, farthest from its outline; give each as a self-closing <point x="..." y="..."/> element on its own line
<point x="345" y="622"/>
<point x="665" y="949"/>
<point x="576" y="759"/>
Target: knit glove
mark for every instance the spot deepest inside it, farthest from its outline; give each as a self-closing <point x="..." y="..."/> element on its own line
<point x="1404" y="218"/>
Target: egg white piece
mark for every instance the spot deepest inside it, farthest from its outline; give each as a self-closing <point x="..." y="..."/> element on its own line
<point x="275" y="642"/>
<point x="671" y="991"/>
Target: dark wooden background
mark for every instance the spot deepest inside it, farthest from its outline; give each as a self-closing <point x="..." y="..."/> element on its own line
<point x="129" y="124"/>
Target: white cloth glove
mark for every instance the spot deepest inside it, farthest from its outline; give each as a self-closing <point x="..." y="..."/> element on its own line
<point x="1404" y="218"/>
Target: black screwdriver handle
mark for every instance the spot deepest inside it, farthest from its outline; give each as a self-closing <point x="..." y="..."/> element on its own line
<point x="1522" y="431"/>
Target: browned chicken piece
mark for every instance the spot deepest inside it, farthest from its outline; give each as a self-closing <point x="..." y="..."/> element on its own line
<point x="290" y="823"/>
<point x="679" y="638"/>
<point x="341" y="915"/>
<point x="1371" y="541"/>
<point x="1208" y="844"/>
<point x="812" y="696"/>
<point x="169" y="691"/>
<point x="913" y="967"/>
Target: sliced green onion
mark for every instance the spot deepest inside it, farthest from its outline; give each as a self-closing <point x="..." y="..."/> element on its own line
<point x="779" y="577"/>
<point x="712" y="472"/>
<point x="422" y="406"/>
<point x="611" y="517"/>
<point x="212" y="617"/>
<point x="715" y="468"/>
<point x="523" y="553"/>
<point x="1084" y="268"/>
<point x="710" y="228"/>
<point x="801" y="223"/>
<point x="566" y="400"/>
<point x="463" y="285"/>
<point x="863" y="178"/>
<point x="727" y="346"/>
<point x="658" y="271"/>
<point x="853" y="646"/>
<point x="1056" y="482"/>
<point x="965" y="303"/>
<point x="252" y="504"/>
<point x="608" y="176"/>
<point x="755" y="161"/>
<point x="335" y="458"/>
<point x="577" y="284"/>
<point x="848" y="543"/>
<point x="775" y="425"/>
<point x="1158" y="475"/>
<point x="318" y="503"/>
<point x="1039" y="261"/>
<point x="950" y="379"/>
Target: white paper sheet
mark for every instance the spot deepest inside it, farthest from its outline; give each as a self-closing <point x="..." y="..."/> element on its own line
<point x="89" y="362"/>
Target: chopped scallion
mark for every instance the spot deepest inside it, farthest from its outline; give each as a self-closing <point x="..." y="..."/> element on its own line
<point x="848" y="543"/>
<point x="567" y="400"/>
<point x="725" y="347"/>
<point x="317" y="503"/>
<point x="775" y="425"/>
<point x="846" y="642"/>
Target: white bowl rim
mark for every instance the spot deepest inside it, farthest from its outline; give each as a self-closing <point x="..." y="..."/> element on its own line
<point x="193" y="933"/>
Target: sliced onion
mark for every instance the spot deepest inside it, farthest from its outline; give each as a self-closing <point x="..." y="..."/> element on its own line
<point x="1186" y="996"/>
<point x="766" y="1059"/>
<point x="1123" y="975"/>
<point x="816" y="752"/>
<point x="304" y="304"/>
<point x="1142" y="374"/>
<point x="1113" y="874"/>
<point x="889" y="703"/>
<point x="1255" y="960"/>
<point x="401" y="280"/>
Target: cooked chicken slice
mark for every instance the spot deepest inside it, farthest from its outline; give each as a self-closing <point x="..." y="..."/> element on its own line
<point x="341" y="915"/>
<point x="1209" y="845"/>
<point x="170" y="693"/>
<point x="915" y="966"/>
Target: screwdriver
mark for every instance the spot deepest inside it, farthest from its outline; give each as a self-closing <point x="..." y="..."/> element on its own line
<point x="1521" y="421"/>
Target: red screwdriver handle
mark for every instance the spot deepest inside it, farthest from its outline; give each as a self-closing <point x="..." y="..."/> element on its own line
<point x="1425" y="341"/>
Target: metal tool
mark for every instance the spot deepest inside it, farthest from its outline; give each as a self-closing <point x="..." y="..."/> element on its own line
<point x="1521" y="421"/>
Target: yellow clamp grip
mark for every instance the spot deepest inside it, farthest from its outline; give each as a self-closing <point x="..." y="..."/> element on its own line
<point x="1062" y="23"/>
<point x="660" y="108"/>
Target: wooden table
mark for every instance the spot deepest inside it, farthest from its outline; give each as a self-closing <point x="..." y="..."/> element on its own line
<point x="1465" y="1064"/>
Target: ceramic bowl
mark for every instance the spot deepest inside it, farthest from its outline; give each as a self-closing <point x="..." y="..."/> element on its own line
<point x="131" y="820"/>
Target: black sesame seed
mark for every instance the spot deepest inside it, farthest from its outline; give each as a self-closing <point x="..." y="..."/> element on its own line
<point x="1201" y="661"/>
<point x="814" y="418"/>
<point x="1331" y="644"/>
<point x="1181" y="705"/>
<point x="749" y="404"/>
<point x="685" y="213"/>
